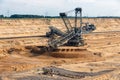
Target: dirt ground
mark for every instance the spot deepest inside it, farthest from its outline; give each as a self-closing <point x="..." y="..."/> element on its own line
<point x="19" y="56"/>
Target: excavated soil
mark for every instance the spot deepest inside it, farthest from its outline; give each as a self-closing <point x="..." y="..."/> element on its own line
<point x="19" y="57"/>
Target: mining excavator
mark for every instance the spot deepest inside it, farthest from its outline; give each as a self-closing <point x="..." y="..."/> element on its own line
<point x="72" y="37"/>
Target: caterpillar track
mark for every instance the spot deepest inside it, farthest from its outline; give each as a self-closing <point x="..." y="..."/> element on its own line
<point x="71" y="52"/>
<point x="114" y="75"/>
<point x="53" y="73"/>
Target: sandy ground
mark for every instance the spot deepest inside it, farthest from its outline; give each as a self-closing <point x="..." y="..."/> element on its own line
<point x="20" y="55"/>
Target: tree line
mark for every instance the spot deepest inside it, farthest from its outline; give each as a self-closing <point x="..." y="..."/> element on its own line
<point x="28" y="16"/>
<point x="41" y="16"/>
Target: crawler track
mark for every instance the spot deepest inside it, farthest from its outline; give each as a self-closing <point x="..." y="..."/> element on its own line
<point x="71" y="52"/>
<point x="54" y="73"/>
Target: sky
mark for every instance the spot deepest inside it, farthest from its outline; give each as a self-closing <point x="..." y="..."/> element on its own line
<point x="54" y="7"/>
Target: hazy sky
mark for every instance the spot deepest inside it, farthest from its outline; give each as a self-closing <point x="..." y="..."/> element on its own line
<point x="53" y="7"/>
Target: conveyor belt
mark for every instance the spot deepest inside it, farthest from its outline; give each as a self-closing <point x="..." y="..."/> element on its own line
<point x="3" y="38"/>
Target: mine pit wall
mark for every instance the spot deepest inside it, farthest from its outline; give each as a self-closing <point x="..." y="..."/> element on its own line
<point x="38" y="27"/>
<point x="29" y="27"/>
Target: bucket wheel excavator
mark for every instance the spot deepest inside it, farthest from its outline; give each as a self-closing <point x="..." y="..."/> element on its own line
<point x="69" y="42"/>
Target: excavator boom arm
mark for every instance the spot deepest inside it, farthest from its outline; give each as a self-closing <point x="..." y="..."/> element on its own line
<point x="66" y="21"/>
